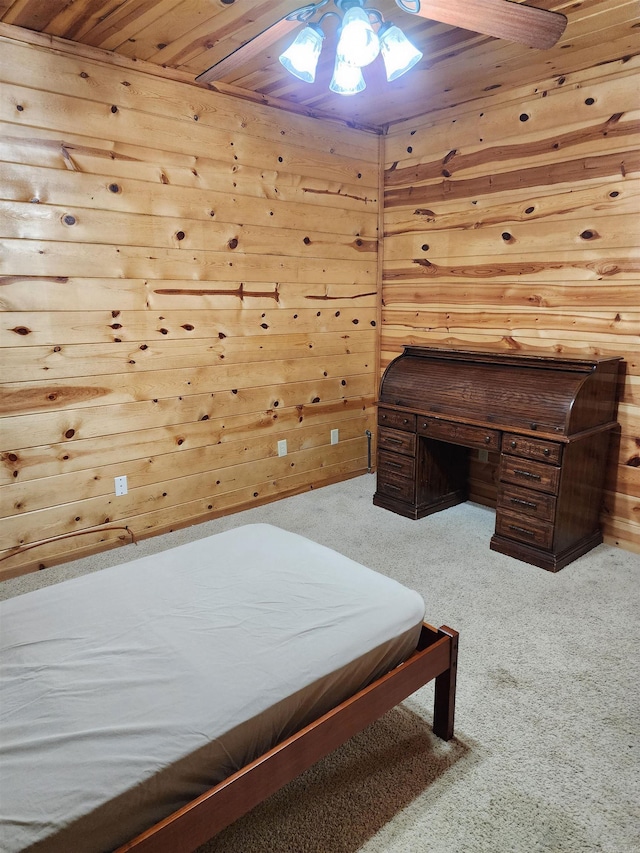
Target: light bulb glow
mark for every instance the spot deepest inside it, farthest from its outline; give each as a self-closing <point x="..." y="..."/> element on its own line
<point x="398" y="53"/>
<point x="358" y="43"/>
<point x="347" y="79"/>
<point x="301" y="57"/>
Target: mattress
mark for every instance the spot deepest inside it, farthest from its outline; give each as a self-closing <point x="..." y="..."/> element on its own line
<point x="128" y="692"/>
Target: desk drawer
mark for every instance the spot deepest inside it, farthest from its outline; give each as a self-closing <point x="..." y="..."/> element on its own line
<point x="527" y="502"/>
<point x="529" y="530"/>
<point x="468" y="436"/>
<point x="397" y="441"/>
<point x="532" y="448"/>
<point x="394" y="465"/>
<point x="395" y="486"/>
<point x="397" y="420"/>
<point x="533" y="475"/>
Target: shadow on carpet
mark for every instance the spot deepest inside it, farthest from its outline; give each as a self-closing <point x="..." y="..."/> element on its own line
<point x="344" y="799"/>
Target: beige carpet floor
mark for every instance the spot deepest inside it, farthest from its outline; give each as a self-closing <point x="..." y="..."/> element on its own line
<point x="545" y="756"/>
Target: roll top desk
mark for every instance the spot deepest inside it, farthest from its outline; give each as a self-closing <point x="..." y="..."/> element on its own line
<point x="549" y="418"/>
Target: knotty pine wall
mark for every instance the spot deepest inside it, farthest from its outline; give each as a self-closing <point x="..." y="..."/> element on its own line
<point x="186" y="278"/>
<point x="512" y="223"/>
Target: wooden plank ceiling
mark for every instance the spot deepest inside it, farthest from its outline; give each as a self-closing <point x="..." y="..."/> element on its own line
<point x="458" y="65"/>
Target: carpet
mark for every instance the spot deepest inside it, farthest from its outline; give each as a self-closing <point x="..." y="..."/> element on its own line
<point x="545" y="756"/>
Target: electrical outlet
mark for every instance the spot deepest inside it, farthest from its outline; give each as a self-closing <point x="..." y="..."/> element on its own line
<point x="282" y="447"/>
<point x="121" y="485"/>
<point x="334" y="436"/>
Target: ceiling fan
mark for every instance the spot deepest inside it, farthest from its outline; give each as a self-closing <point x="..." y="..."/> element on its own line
<point x="505" y="19"/>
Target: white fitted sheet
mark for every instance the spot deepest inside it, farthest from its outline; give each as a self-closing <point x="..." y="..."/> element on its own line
<point x="128" y="692"/>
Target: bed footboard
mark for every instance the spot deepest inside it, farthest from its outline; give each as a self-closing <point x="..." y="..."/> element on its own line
<point x="435" y="658"/>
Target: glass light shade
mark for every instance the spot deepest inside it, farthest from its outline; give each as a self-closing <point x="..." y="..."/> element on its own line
<point x="398" y="53"/>
<point x="301" y="57"/>
<point x="358" y="43"/>
<point x="347" y="79"/>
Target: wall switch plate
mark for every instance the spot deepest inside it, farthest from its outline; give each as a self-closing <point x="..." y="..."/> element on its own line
<point x="334" y="436"/>
<point x="282" y="447"/>
<point x="121" y="485"/>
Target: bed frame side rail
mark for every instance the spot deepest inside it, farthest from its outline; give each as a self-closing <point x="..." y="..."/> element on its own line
<point x="198" y="821"/>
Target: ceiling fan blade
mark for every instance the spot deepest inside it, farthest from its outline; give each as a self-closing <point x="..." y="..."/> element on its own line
<point x="246" y="52"/>
<point x="500" y="18"/>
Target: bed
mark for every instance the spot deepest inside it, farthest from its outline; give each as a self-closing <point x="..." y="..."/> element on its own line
<point x="147" y="706"/>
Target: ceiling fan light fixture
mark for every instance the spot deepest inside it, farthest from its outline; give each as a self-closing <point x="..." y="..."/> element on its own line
<point x="358" y="44"/>
<point x="515" y="21"/>
<point x="301" y="57"/>
<point x="398" y="53"/>
<point x="347" y="79"/>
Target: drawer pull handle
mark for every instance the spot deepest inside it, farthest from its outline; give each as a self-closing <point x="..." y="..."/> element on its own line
<point x="392" y="487"/>
<point x="393" y="440"/>
<point x="405" y="420"/>
<point x="521" y="530"/>
<point x="529" y="474"/>
<point x="383" y="417"/>
<point x="395" y="465"/>
<point x="425" y="425"/>
<point x="514" y="444"/>
<point x="546" y="451"/>
<point x="520" y="502"/>
<point x="487" y="439"/>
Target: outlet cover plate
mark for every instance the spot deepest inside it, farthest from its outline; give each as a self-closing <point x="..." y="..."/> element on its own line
<point x="282" y="447"/>
<point x="334" y="436"/>
<point x="121" y="485"/>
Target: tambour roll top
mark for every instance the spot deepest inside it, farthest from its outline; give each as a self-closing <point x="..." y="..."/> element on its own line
<point x="556" y="396"/>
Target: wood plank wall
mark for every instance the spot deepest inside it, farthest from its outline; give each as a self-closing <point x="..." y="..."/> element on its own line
<point x="512" y="223"/>
<point x="185" y="279"/>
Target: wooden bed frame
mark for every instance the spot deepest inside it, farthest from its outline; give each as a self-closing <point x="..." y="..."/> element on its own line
<point x="435" y="657"/>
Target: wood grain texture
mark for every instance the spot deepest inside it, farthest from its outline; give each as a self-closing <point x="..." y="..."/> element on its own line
<point x="513" y="226"/>
<point x="174" y="259"/>
<point x="527" y="25"/>
<point x="180" y="40"/>
<point x="182" y="285"/>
